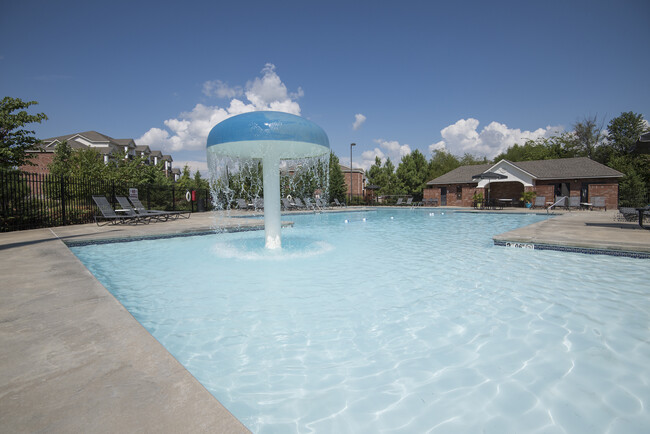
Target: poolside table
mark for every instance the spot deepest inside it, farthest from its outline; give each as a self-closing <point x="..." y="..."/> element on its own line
<point x="505" y="202"/>
<point x="587" y="205"/>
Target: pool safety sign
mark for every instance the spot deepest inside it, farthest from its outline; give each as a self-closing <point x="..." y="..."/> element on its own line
<point x="133" y="192"/>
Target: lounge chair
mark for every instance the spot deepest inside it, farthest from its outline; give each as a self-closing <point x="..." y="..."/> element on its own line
<point x="258" y="203"/>
<point x="309" y="203"/>
<point x="242" y="204"/>
<point x="430" y="202"/>
<point x="409" y="201"/>
<point x="627" y="214"/>
<point x="599" y="202"/>
<point x="137" y="205"/>
<point x="287" y="205"/>
<point x="574" y="202"/>
<point x="337" y="203"/>
<point x="399" y="202"/>
<point x="299" y="203"/>
<point x="540" y="201"/>
<point x="111" y="217"/>
<point x="321" y="203"/>
<point x="128" y="210"/>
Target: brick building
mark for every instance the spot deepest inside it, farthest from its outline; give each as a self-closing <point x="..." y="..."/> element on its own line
<point x="106" y="146"/>
<point x="551" y="179"/>
<point x="357" y="183"/>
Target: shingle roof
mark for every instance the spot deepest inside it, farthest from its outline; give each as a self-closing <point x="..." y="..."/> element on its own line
<point x="461" y="175"/>
<point x="563" y="168"/>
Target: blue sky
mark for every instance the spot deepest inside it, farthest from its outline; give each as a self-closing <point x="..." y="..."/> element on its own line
<point x="470" y="76"/>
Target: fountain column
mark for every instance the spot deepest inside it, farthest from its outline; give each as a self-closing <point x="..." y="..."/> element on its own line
<point x="272" y="207"/>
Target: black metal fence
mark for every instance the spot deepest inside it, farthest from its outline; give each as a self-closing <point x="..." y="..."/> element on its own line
<point x="31" y="200"/>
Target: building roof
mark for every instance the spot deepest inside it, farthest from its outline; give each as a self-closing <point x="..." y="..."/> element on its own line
<point x="461" y="175"/>
<point x="347" y="169"/>
<point x="563" y="168"/>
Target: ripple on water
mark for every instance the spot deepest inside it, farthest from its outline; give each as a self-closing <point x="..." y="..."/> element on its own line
<point x="413" y="324"/>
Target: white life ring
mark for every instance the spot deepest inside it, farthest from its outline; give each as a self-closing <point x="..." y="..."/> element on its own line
<point x="188" y="196"/>
<point x="289" y="196"/>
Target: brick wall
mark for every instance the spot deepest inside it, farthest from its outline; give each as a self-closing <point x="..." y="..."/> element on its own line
<point x="608" y="191"/>
<point x="357" y="185"/>
<point x="42" y="161"/>
<point x="467" y="191"/>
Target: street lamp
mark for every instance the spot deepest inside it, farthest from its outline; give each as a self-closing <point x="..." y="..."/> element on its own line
<point x="351" y="145"/>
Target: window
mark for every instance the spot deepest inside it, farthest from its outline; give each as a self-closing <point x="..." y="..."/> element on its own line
<point x="459" y="192"/>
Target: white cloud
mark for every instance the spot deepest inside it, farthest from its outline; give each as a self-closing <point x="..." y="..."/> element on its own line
<point x="359" y="119"/>
<point x="221" y="90"/>
<point x="463" y="137"/>
<point x="387" y="149"/>
<point x="189" y="131"/>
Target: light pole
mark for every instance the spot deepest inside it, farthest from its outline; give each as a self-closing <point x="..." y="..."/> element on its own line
<point x="351" y="145"/>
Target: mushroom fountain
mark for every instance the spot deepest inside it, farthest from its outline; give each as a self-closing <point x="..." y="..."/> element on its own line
<point x="269" y="137"/>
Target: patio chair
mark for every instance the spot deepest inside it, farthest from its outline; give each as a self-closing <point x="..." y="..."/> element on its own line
<point x="540" y="201"/>
<point x="409" y="201"/>
<point x="337" y="203"/>
<point x="310" y="204"/>
<point x="111" y="217"/>
<point x="242" y="204"/>
<point x="258" y="203"/>
<point x="130" y="211"/>
<point x="627" y="214"/>
<point x="286" y="204"/>
<point x="599" y="202"/>
<point x="137" y="205"/>
<point x="574" y="202"/>
<point x="399" y="202"/>
<point x="322" y="203"/>
<point x="299" y="203"/>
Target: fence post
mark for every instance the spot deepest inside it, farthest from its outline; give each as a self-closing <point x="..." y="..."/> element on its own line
<point x="63" y="204"/>
<point x="113" y="193"/>
<point x="173" y="199"/>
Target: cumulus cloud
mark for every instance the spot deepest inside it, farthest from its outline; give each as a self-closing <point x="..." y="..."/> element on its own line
<point x="387" y="149"/>
<point x="359" y="119"/>
<point x="190" y="129"/>
<point x="219" y="89"/>
<point x="464" y="137"/>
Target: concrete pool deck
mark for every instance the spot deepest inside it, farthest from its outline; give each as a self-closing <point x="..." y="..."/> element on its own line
<point x="74" y="360"/>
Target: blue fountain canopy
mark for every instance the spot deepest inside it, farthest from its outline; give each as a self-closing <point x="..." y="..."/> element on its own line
<point x="253" y="134"/>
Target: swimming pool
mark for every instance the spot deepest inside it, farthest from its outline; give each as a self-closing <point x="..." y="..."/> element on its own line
<point x="406" y="321"/>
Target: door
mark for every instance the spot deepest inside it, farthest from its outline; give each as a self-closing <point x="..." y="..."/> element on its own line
<point x="443" y="196"/>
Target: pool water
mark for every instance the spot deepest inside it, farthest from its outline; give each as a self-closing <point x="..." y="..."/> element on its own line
<point x="396" y="321"/>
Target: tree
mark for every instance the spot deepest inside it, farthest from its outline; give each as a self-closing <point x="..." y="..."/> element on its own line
<point x="412" y="173"/>
<point x="337" y="187"/>
<point x="441" y="162"/>
<point x="588" y="136"/>
<point x="625" y="130"/>
<point x="623" y="133"/>
<point x="14" y="140"/>
<point x="62" y="163"/>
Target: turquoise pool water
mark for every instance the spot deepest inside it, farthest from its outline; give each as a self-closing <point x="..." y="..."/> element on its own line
<point x="406" y="321"/>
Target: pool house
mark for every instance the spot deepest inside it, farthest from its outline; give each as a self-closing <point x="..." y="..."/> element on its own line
<point x="506" y="181"/>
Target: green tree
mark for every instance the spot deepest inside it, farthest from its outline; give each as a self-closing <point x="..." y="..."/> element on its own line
<point x="412" y="173"/>
<point x="62" y="163"/>
<point x="588" y="137"/>
<point x="337" y="187"/>
<point x="623" y="133"/>
<point x="441" y="162"/>
<point x="14" y="140"/>
<point x="625" y="130"/>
